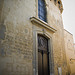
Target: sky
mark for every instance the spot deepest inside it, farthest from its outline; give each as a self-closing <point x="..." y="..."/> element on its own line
<point x="68" y="16"/>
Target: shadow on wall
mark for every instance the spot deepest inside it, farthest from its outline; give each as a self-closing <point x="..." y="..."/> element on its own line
<point x="2" y="31"/>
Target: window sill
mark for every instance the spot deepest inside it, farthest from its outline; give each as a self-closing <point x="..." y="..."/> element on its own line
<point x="42" y="23"/>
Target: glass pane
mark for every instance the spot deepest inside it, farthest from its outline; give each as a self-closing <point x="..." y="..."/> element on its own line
<point x="42" y="18"/>
<point x="41" y="10"/>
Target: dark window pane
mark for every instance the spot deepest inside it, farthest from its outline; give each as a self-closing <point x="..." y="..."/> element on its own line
<point x="41" y="10"/>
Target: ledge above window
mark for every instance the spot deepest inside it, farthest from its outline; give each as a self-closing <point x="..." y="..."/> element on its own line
<point x="42" y="23"/>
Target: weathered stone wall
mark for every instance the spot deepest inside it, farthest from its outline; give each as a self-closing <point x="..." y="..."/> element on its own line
<point x="70" y="53"/>
<point x="74" y="47"/>
<point x="55" y="20"/>
<point x="16" y="37"/>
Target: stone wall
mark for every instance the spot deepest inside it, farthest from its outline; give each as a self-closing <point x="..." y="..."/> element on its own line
<point x="16" y="37"/>
<point x="55" y="20"/>
<point x="70" y="53"/>
<point x="74" y="47"/>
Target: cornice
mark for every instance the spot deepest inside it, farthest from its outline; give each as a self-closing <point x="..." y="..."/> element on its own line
<point x="42" y="23"/>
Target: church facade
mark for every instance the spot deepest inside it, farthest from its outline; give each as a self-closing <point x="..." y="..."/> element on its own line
<point x="32" y="38"/>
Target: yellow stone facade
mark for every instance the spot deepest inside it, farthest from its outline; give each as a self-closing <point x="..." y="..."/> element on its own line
<point x="74" y="46"/>
<point x="70" y="52"/>
<point x="19" y="27"/>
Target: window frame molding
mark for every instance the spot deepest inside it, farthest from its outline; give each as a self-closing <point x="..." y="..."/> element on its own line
<point x="37" y="8"/>
<point x="35" y="50"/>
<point x="42" y="23"/>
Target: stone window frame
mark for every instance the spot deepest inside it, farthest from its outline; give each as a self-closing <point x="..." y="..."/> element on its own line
<point x="35" y="51"/>
<point x="45" y="30"/>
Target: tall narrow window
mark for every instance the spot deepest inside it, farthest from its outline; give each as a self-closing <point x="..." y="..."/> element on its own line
<point x="42" y="10"/>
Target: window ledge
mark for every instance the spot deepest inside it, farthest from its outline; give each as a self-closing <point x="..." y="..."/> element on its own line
<point x="42" y="23"/>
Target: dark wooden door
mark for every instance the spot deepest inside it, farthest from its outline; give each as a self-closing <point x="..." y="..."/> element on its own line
<point x="43" y="56"/>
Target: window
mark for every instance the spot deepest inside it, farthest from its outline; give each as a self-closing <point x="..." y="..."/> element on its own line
<point x="42" y="10"/>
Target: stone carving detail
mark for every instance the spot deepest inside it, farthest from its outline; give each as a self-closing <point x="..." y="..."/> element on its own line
<point x="42" y="43"/>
